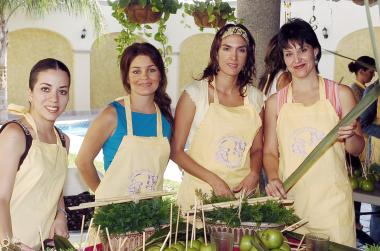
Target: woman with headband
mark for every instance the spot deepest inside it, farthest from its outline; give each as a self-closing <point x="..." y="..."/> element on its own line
<point x="220" y="116"/>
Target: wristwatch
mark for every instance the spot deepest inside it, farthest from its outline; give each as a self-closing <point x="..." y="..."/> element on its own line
<point x="62" y="210"/>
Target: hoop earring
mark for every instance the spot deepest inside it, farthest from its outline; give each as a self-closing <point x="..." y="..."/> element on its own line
<point x="316" y="62"/>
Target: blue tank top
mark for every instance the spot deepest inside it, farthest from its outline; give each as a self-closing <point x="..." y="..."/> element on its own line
<point x="144" y="125"/>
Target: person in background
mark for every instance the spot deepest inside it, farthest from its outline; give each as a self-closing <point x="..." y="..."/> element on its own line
<point x="133" y="131"/>
<point x="275" y="76"/>
<point x="220" y="116"/>
<point x="297" y="118"/>
<point x="33" y="157"/>
<point x="371" y="127"/>
<point x="363" y="75"/>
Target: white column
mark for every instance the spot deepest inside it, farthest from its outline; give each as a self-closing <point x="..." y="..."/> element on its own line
<point x="81" y="81"/>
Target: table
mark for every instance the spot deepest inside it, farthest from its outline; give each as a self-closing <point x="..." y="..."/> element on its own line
<point x="370" y="198"/>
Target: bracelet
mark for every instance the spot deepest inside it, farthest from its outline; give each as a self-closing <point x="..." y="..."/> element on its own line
<point x="62" y="210"/>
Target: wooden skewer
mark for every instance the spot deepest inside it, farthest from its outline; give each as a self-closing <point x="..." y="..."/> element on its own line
<point x="176" y="227"/>
<point x="251" y="201"/>
<point x="88" y="231"/>
<point x="109" y="239"/>
<point x="187" y="230"/>
<point x="299" y="245"/>
<point x="96" y="238"/>
<point x="143" y="241"/>
<point x="81" y="233"/>
<point x="166" y="239"/>
<point x="121" y="199"/>
<point x="41" y="239"/>
<point x="171" y="223"/>
<point x="295" y="225"/>
<point x="204" y="223"/>
<point x="122" y="244"/>
<point x="193" y="228"/>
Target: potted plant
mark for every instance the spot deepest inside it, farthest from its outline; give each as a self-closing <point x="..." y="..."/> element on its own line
<point x="210" y="13"/>
<point x="248" y="216"/>
<point x="127" y="221"/>
<point x="136" y="15"/>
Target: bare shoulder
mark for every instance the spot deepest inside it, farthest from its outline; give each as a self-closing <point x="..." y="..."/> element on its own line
<point x="271" y="101"/>
<point x="13" y="138"/>
<point x="108" y="116"/>
<point x="345" y="93"/>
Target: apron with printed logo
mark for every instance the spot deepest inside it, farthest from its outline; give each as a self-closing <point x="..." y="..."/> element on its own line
<point x="139" y="163"/>
<point x="221" y="144"/>
<point x="323" y="196"/>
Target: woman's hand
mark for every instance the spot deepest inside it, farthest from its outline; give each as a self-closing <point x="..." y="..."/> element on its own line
<point x="346" y="132"/>
<point x="59" y="226"/>
<point x="275" y="188"/>
<point x="248" y="184"/>
<point x="221" y="188"/>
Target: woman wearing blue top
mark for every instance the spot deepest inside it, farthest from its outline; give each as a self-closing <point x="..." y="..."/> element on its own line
<point x="131" y="131"/>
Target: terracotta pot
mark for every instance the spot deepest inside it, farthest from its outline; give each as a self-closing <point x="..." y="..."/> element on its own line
<point x="245" y="228"/>
<point x="201" y="19"/>
<point x="133" y="240"/>
<point x="142" y="15"/>
<point x="361" y="2"/>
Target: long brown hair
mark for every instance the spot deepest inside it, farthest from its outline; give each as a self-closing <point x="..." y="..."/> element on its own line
<point x="161" y="98"/>
<point x="245" y="75"/>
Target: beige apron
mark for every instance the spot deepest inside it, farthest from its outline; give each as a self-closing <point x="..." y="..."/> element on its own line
<point x="139" y="163"/>
<point x="221" y="144"/>
<point x="38" y="187"/>
<point x="323" y="196"/>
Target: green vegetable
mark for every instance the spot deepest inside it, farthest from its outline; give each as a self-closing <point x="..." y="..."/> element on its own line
<point x="268" y="212"/>
<point x="131" y="217"/>
<point x="62" y="244"/>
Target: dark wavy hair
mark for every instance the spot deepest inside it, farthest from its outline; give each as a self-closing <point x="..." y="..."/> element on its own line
<point x="43" y="65"/>
<point x="161" y="98"/>
<point x="272" y="65"/>
<point x="249" y="70"/>
<point x="355" y="66"/>
<point x="299" y="31"/>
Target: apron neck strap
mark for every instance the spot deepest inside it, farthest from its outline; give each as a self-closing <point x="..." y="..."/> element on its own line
<point x="23" y="111"/>
<point x="321" y="89"/>
<point x="128" y="116"/>
<point x="216" y="99"/>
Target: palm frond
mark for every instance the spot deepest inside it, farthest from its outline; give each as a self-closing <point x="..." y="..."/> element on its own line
<point x="330" y="138"/>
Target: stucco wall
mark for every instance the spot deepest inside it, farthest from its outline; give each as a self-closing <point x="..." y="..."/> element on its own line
<point x="26" y="47"/>
<point x="194" y="56"/>
<point x="105" y="75"/>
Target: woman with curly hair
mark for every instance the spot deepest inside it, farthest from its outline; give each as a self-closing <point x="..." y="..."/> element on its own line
<point x="134" y="130"/>
<point x="220" y="116"/>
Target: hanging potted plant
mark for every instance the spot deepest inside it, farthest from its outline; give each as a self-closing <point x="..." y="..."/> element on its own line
<point x="136" y="16"/>
<point x="361" y="2"/>
<point x="210" y="13"/>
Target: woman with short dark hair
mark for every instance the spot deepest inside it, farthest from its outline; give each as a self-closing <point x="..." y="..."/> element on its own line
<point x="297" y="118"/>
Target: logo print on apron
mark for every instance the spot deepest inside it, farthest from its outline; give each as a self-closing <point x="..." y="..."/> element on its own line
<point x="230" y="151"/>
<point x="305" y="139"/>
<point x="142" y="178"/>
